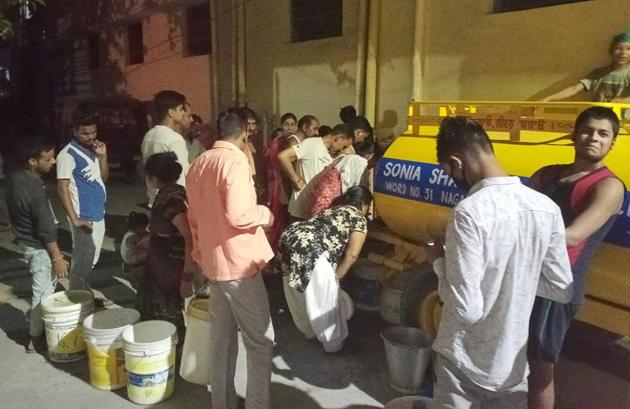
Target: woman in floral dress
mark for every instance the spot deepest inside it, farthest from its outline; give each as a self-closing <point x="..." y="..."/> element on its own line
<point x="315" y="254"/>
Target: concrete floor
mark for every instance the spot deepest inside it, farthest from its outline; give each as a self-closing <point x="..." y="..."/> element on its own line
<point x="593" y="374"/>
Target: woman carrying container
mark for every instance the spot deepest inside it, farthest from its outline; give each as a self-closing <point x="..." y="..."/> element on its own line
<point x="168" y="275"/>
<point x="347" y="170"/>
<point x="315" y="254"/>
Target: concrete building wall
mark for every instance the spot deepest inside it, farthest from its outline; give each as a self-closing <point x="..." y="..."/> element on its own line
<point x="474" y="54"/>
<point x="165" y="66"/>
<point x="446" y="50"/>
<point x="395" y="67"/>
<point x="319" y="76"/>
<point x="313" y="77"/>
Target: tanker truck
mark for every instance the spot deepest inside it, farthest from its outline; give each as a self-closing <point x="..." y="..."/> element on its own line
<point x="414" y="197"/>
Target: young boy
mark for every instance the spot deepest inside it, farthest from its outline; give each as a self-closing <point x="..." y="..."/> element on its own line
<point x="606" y="84"/>
<point x="132" y="251"/>
<point x="35" y="227"/>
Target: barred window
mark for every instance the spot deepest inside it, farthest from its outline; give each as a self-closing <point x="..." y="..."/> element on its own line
<point x="315" y="19"/>
<point x="135" y="43"/>
<point x="94" y="51"/>
<point x="198" y="40"/>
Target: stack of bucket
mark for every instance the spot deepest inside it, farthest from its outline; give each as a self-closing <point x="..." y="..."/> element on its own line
<point x="121" y="351"/>
<point x="62" y="313"/>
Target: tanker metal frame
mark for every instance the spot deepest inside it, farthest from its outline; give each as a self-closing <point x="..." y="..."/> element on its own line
<point x="414" y="197"/>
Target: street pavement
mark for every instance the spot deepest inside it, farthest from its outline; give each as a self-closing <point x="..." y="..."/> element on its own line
<point x="593" y="374"/>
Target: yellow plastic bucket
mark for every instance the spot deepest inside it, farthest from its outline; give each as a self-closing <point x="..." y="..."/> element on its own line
<point x="62" y="313"/>
<point x="102" y="333"/>
<point x="150" y="361"/>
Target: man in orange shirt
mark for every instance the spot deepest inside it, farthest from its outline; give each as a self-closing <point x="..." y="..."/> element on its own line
<point x="230" y="246"/>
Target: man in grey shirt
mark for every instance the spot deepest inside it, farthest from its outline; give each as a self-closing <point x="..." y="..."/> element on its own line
<point x="35" y="226"/>
<point x="504" y="244"/>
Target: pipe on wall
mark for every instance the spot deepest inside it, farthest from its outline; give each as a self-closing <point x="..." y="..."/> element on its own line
<point x="362" y="38"/>
<point x="418" y="50"/>
<point x="372" y="68"/>
<point x="234" y="53"/>
<point x="242" y="54"/>
<point x="214" y="59"/>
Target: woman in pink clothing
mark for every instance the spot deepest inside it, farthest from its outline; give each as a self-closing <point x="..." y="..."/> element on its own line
<point x="277" y="198"/>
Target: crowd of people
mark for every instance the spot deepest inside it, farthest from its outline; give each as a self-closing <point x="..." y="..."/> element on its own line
<point x="216" y="218"/>
<point x="219" y="216"/>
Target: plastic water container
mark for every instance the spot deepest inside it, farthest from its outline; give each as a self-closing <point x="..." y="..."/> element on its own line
<point x="150" y="361"/>
<point x="408" y="352"/>
<point x="195" y="365"/>
<point x="102" y="332"/>
<point x="62" y="313"/>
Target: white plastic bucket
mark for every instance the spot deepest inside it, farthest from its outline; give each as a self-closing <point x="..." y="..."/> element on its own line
<point x="150" y="361"/>
<point x="62" y="313"/>
<point x="102" y="333"/>
<point x="195" y="365"/>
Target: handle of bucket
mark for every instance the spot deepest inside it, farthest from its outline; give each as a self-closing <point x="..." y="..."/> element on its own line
<point x="188" y="302"/>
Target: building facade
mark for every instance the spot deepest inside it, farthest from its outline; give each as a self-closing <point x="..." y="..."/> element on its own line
<point x="316" y="56"/>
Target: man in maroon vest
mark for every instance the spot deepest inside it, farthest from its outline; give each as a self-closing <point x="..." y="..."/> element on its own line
<point x="590" y="197"/>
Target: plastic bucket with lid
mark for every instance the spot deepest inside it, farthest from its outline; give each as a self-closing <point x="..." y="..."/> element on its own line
<point x="195" y="365"/>
<point x="408" y="352"/>
<point x="102" y="332"/>
<point x="62" y="313"/>
<point x="150" y="361"/>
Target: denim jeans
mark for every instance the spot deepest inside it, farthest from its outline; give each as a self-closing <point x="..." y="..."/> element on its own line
<point x="40" y="268"/>
<point x="86" y="249"/>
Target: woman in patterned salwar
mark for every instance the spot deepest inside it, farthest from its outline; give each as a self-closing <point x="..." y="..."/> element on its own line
<point x="315" y="254"/>
<point x="168" y="274"/>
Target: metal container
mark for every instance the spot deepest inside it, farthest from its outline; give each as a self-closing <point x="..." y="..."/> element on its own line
<point x="408" y="352"/>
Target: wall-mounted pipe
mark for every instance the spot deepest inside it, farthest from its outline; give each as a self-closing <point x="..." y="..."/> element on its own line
<point x="214" y="59"/>
<point x="234" y="53"/>
<point x="242" y="54"/>
<point x="418" y="50"/>
<point x="362" y="38"/>
<point x="372" y="68"/>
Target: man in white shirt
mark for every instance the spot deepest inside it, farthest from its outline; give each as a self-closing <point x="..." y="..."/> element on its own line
<point x="311" y="156"/>
<point x="193" y="144"/>
<point x="504" y="244"/>
<point x="82" y="170"/>
<point x="173" y="116"/>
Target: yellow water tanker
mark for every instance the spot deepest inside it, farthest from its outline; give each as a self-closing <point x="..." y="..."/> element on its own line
<point x="414" y="196"/>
